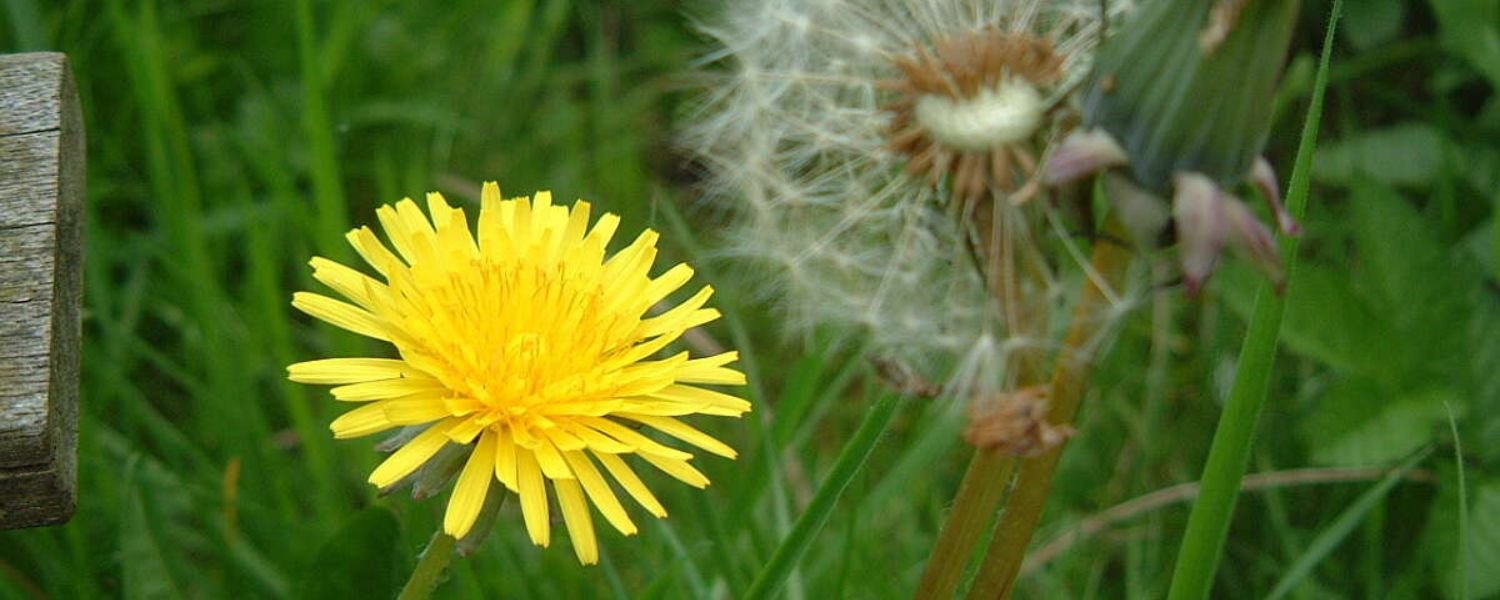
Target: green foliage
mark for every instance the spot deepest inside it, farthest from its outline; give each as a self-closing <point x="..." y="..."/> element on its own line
<point x="362" y="559"/>
<point x="1471" y="29"/>
<point x="219" y="141"/>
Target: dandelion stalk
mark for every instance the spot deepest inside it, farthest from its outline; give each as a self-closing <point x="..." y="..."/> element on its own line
<point x="978" y="498"/>
<point x="1208" y="525"/>
<point x="1109" y="264"/>
<point x="429" y="572"/>
<point x="991" y="469"/>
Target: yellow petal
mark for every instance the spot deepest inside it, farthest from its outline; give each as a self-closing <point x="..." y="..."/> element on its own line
<point x="415" y="411"/>
<point x="395" y="229"/>
<point x="680" y="317"/>
<point x="418" y="384"/>
<point x="603" y="230"/>
<point x="640" y="351"/>
<point x="632" y="484"/>
<point x="336" y="371"/>
<point x="564" y="439"/>
<point x="342" y="314"/>
<point x="594" y="440"/>
<point x="505" y="459"/>
<point x="441" y="211"/>
<point x="728" y="405"/>
<point x="521" y="228"/>
<point x="661" y="408"/>
<point x="375" y="253"/>
<point x="468" y="493"/>
<point x="360" y="422"/>
<point x="580" y="523"/>
<point x="533" y="498"/>
<point x="350" y="283"/>
<point x="667" y="283"/>
<point x="630" y="437"/>
<point x="711" y="370"/>
<point x="599" y="491"/>
<point x="464" y="431"/>
<point x="684" y="432"/>
<point x="578" y="223"/>
<point x="680" y="469"/>
<point x="551" y="461"/>
<point x="417" y="451"/>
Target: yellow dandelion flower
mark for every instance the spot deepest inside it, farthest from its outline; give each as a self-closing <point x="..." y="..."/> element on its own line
<point x="531" y="343"/>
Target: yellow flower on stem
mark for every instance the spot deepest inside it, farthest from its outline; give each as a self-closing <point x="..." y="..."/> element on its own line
<point x="532" y="345"/>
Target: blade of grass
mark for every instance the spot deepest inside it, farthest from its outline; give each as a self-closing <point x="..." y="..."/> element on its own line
<point x="328" y="188"/>
<point x="1208" y="525"/>
<point x="1329" y="539"/>
<point x="1463" y="508"/>
<point x="850" y="461"/>
<point x="29" y="32"/>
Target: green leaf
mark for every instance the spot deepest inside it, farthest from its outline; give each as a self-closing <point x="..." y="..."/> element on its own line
<point x="1327" y="321"/>
<point x="1332" y="536"/>
<point x="361" y="560"/>
<point x="1375" y="23"/>
<point x="1471" y="30"/>
<point x="1403" y="154"/>
<point x="1358" y="424"/>
<point x="1481" y="538"/>
<point x="144" y="563"/>
<point x="1484" y="361"/>
<point x="1483" y="542"/>
<point x="1421" y="287"/>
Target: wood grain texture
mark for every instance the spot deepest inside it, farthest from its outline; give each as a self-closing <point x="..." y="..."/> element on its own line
<point x="41" y="286"/>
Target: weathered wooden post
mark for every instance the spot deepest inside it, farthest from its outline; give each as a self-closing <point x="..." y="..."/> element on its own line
<point x="41" y="287"/>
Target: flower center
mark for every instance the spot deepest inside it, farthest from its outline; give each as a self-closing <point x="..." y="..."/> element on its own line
<point x="516" y="336"/>
<point x="1004" y="114"/>
<point x="968" y="108"/>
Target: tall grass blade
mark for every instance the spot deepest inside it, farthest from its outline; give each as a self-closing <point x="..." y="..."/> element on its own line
<point x="1329" y="539"/>
<point x="1208" y="525"/>
<point x="850" y="461"/>
<point x="1463" y="507"/>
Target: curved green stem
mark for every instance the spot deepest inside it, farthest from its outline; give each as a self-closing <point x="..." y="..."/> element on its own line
<point x="849" y="463"/>
<point x="429" y="572"/>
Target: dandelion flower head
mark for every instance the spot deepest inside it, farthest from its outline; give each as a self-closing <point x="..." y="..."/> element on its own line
<point x="847" y="132"/>
<point x="530" y="346"/>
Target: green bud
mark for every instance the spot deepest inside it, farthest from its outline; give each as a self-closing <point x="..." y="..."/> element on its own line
<point x="1186" y="86"/>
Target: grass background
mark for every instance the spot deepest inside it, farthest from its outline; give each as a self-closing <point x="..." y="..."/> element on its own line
<point x="231" y="141"/>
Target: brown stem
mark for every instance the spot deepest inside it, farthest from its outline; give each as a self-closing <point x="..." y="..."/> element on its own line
<point x="1184" y="492"/>
<point x="1023" y="510"/>
<point x="1015" y="275"/>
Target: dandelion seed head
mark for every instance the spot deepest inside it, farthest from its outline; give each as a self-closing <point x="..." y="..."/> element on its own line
<point x="800" y="140"/>
<point x="1004" y="114"/>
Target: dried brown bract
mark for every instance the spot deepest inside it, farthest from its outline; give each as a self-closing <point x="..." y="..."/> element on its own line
<point x="1015" y="423"/>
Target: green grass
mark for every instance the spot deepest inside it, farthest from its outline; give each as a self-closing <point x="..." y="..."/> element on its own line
<point x="231" y="141"/>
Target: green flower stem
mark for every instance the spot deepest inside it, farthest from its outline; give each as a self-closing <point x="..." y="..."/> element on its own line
<point x="1208" y="525"/>
<point x="851" y="460"/>
<point x="1110" y="262"/>
<point x="978" y="498"/>
<point x="429" y="572"/>
<point x="1009" y="266"/>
